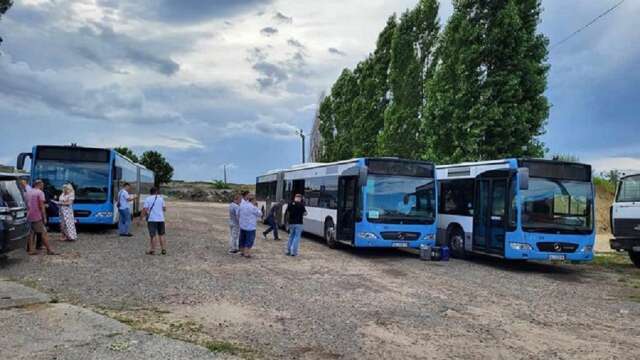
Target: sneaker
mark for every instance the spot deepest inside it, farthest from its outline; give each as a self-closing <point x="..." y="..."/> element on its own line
<point x="234" y="251"/>
<point x="264" y="236"/>
<point x="287" y="254"/>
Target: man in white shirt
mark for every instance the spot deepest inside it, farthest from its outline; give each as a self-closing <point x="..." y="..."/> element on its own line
<point x="234" y="224"/>
<point x="153" y="211"/>
<point x="248" y="216"/>
<point x="124" y="210"/>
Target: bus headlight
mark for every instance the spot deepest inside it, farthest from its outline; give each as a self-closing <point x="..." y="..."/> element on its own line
<point x="587" y="249"/>
<point x="429" y="237"/>
<point x="104" y="214"/>
<point x="368" y="235"/>
<point x="521" y="247"/>
<point x="6" y="218"/>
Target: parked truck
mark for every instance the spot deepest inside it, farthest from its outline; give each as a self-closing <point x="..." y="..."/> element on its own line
<point x="625" y="218"/>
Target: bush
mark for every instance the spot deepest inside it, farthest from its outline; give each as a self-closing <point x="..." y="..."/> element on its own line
<point x="607" y="185"/>
<point x="220" y="185"/>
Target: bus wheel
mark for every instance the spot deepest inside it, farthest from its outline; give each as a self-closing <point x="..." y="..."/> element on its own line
<point x="635" y="258"/>
<point x="456" y="244"/>
<point x="330" y="234"/>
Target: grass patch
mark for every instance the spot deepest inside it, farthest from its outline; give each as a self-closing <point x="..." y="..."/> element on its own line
<point x="226" y="347"/>
<point x="618" y="261"/>
<point x="155" y="321"/>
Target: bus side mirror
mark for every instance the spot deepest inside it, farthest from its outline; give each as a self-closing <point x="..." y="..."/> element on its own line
<point x="523" y="178"/>
<point x="21" y="160"/>
<point x="117" y="174"/>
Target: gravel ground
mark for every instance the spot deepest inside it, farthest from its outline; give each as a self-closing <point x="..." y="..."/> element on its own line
<point x="342" y="303"/>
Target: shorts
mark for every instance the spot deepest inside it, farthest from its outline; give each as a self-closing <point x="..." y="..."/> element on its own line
<point x="247" y="238"/>
<point x="156" y="228"/>
<point x="38" y="227"/>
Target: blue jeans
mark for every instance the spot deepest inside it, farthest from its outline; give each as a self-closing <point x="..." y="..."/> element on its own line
<point x="273" y="226"/>
<point x="295" y="232"/>
<point x="125" y="221"/>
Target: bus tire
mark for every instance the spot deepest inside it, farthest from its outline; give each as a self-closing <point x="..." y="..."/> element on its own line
<point x="456" y="243"/>
<point x="330" y="234"/>
<point x="635" y="258"/>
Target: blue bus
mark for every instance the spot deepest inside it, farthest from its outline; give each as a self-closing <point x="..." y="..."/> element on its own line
<point x="96" y="175"/>
<point x="364" y="202"/>
<point x="522" y="209"/>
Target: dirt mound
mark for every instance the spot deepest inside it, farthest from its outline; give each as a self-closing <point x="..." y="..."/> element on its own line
<point x="202" y="191"/>
<point x="604" y="200"/>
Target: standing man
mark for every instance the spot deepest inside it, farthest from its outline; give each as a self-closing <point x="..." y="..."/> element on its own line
<point x="271" y="221"/>
<point x="249" y="215"/>
<point x="296" y="213"/>
<point x="124" y="209"/>
<point x="36" y="215"/>
<point x="234" y="224"/>
<point x="153" y="211"/>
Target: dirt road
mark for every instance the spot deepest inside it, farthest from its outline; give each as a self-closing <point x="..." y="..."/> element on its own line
<point x="341" y="303"/>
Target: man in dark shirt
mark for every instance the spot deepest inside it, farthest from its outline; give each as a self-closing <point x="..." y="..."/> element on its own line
<point x="271" y="221"/>
<point x="295" y="212"/>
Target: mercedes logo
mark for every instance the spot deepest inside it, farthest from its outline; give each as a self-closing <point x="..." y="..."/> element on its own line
<point x="557" y="247"/>
<point x="400" y="236"/>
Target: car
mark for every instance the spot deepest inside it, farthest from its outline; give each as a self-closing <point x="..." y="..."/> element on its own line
<point x="14" y="226"/>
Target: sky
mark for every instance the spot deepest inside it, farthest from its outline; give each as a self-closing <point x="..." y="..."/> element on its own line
<point x="209" y="83"/>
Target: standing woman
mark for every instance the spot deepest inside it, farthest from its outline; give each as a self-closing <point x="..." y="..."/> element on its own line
<point x="67" y="220"/>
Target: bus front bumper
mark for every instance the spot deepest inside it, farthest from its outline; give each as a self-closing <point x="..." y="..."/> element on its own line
<point x="515" y="251"/>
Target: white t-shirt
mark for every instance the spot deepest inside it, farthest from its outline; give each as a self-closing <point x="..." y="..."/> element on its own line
<point x="123" y="199"/>
<point x="156" y="214"/>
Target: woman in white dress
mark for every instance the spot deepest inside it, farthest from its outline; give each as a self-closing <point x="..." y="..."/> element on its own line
<point x="67" y="220"/>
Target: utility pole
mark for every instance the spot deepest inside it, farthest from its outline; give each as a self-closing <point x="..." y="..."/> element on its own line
<point x="302" y="136"/>
<point x="225" y="173"/>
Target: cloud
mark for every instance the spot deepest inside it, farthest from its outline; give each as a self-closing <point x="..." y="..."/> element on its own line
<point x="184" y="12"/>
<point x="628" y="164"/>
<point x="335" y="51"/>
<point x="295" y="43"/>
<point x="149" y="141"/>
<point x="269" y="31"/>
<point x="56" y="90"/>
<point x="270" y="74"/>
<point x="264" y="126"/>
<point x="281" y="18"/>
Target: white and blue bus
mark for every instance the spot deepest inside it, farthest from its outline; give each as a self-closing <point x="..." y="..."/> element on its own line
<point x="517" y="209"/>
<point x="365" y="202"/>
<point x="96" y="175"/>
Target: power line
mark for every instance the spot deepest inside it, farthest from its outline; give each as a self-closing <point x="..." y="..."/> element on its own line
<point x="587" y="25"/>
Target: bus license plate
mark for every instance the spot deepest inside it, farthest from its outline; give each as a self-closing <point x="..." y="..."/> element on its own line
<point x="556" y="257"/>
<point x="400" y="244"/>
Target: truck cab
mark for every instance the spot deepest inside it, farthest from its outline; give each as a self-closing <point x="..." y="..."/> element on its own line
<point x="14" y="227"/>
<point x="625" y="218"/>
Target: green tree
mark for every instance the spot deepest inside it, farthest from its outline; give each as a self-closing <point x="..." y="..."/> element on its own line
<point x="155" y="162"/>
<point x="4" y="7"/>
<point x="125" y="151"/>
<point x="486" y="98"/>
<point x="327" y="130"/>
<point x="343" y="96"/>
<point x="412" y="48"/>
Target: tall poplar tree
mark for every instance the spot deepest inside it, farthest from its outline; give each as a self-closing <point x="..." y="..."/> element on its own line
<point x="486" y="99"/>
<point x="411" y="57"/>
<point x="4" y="7"/>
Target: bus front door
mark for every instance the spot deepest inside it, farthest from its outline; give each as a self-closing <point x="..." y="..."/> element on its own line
<point x="347" y="208"/>
<point x="490" y="214"/>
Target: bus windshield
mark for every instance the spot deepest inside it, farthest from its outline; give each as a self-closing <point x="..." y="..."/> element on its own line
<point x="400" y="200"/>
<point x="552" y="205"/>
<point x="90" y="180"/>
<point x="629" y="189"/>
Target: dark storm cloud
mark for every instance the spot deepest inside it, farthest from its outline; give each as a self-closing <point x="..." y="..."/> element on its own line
<point x="270" y="74"/>
<point x="269" y="31"/>
<point x="337" y="52"/>
<point x="186" y="11"/>
<point x="108" y="49"/>
<point x="275" y="73"/>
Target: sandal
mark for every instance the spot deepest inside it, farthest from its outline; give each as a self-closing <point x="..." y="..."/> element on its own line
<point x="52" y="253"/>
<point x="150" y="253"/>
